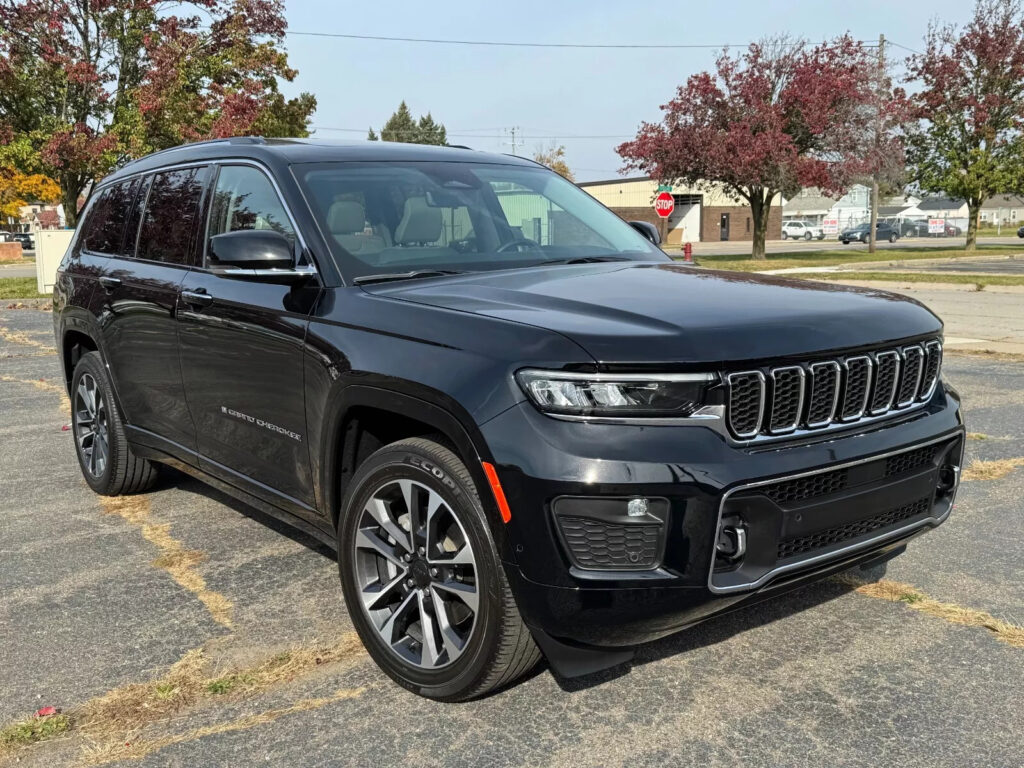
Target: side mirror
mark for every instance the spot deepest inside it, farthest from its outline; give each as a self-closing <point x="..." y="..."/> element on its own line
<point x="648" y="230"/>
<point x="255" y="254"/>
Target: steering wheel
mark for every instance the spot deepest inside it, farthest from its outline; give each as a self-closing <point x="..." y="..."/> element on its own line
<point x="530" y="244"/>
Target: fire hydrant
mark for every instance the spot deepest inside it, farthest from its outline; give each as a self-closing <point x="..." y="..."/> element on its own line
<point x="688" y="253"/>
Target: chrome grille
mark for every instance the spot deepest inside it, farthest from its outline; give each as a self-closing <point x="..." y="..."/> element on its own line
<point x="787" y="398"/>
<point x="913" y="367"/>
<point x="780" y="400"/>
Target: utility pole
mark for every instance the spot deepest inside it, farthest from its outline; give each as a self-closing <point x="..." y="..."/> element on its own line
<point x="512" y="133"/>
<point x="878" y="144"/>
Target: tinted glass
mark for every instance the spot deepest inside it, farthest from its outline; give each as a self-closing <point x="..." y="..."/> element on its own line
<point x="244" y="198"/>
<point x="135" y="216"/>
<point x="395" y="217"/>
<point x="113" y="207"/>
<point x="170" y="217"/>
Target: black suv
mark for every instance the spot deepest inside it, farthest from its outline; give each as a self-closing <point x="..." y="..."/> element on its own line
<point x="524" y="428"/>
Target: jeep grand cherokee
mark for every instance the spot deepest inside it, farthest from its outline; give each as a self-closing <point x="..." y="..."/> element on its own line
<point x="524" y="428"/>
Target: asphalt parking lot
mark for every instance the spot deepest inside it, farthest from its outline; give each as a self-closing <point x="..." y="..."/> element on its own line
<point x="181" y="628"/>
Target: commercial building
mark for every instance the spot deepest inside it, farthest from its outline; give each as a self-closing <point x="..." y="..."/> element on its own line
<point x="702" y="214"/>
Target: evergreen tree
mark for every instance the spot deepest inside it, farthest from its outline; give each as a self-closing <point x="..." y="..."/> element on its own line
<point x="402" y="127"/>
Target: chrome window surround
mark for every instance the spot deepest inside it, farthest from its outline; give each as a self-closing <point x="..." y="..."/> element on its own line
<point x="837" y="554"/>
<point x="215" y="164"/>
<point x="785" y="429"/>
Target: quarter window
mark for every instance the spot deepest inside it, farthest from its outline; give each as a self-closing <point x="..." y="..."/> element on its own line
<point x="169" y="221"/>
<point x="244" y="199"/>
<point x="104" y="230"/>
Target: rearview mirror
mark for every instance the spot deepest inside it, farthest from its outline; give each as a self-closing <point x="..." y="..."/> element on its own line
<point x="255" y="254"/>
<point x="648" y="230"/>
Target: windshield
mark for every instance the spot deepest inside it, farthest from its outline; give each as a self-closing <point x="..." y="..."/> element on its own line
<point x="390" y="217"/>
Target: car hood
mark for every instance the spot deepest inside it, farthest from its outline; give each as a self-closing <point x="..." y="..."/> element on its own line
<point x="661" y="312"/>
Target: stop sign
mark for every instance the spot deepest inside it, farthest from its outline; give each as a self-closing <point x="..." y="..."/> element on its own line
<point x="664" y="204"/>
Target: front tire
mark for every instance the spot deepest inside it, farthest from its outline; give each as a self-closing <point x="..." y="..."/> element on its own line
<point x="422" y="578"/>
<point x="108" y="464"/>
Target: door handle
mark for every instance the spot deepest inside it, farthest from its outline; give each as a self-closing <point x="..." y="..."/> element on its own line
<point x="198" y="298"/>
<point x="109" y="283"/>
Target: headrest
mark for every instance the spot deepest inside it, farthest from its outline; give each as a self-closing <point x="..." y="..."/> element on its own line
<point x="420" y="223"/>
<point x="346" y="217"/>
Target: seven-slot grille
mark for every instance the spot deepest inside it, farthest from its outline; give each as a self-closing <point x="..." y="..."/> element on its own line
<point x="780" y="400"/>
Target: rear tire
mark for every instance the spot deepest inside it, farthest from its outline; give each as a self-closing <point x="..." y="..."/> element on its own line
<point x="108" y="464"/>
<point x="808" y="236"/>
<point x="416" y="558"/>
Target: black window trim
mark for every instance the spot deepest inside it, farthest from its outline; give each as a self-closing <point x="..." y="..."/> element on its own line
<point x="219" y="163"/>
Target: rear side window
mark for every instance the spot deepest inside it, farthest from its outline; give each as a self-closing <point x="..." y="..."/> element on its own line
<point x="244" y="198"/>
<point x="105" y="228"/>
<point x="169" y="221"/>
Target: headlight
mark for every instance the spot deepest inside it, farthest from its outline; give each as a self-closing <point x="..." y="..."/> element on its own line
<point x="606" y="394"/>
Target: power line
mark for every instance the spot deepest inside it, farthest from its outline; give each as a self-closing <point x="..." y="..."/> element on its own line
<point x="904" y="47"/>
<point x="504" y="44"/>
<point x="462" y="133"/>
<point x="525" y="44"/>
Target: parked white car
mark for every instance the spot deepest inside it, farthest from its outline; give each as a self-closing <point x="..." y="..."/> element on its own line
<point x="804" y="229"/>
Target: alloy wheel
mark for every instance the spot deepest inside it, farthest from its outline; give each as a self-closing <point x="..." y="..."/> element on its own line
<point x="92" y="431"/>
<point x="416" y="574"/>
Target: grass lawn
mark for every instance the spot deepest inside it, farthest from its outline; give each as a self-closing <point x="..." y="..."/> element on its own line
<point x="20" y="288"/>
<point x="836" y="256"/>
<point x="916" y="277"/>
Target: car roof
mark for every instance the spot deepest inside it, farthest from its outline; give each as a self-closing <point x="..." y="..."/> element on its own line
<point x="292" y="151"/>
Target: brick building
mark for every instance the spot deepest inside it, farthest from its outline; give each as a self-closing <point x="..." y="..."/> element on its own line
<point x="700" y="215"/>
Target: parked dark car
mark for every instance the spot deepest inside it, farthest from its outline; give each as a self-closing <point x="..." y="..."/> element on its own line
<point x="862" y="233"/>
<point x="25" y="238"/>
<point x="524" y="428"/>
<point x="913" y="228"/>
<point x="1020" y="231"/>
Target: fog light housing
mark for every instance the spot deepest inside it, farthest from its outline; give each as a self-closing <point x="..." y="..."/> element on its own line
<point x="612" y="533"/>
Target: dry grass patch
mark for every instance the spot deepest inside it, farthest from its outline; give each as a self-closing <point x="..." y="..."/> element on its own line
<point x="897" y="592"/>
<point x="110" y="724"/>
<point x="22" y="339"/>
<point x="178" y="562"/>
<point x="140" y="748"/>
<point x="978" y="436"/>
<point x="992" y="470"/>
<point x="45" y="386"/>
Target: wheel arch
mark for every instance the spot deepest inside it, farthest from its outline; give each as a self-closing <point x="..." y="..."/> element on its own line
<point x="364" y="418"/>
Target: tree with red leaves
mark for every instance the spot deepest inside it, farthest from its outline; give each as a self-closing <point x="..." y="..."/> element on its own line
<point x="780" y="116"/>
<point x="87" y="85"/>
<point x="968" y="142"/>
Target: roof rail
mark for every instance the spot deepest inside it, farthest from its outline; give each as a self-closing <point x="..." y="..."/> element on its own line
<point x="458" y="146"/>
<point x="227" y="140"/>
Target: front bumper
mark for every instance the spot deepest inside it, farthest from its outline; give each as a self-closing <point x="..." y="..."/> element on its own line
<point x="792" y="536"/>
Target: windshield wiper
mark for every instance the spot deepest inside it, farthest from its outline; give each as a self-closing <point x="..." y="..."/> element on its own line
<point x="585" y="260"/>
<point x="390" y="276"/>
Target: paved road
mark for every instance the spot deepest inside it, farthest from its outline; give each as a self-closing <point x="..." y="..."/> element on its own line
<point x="98" y="594"/>
<point x="828" y="244"/>
<point x="1013" y="266"/>
<point x="17" y="270"/>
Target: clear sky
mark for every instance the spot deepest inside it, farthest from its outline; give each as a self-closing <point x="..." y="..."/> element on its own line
<point x="479" y="92"/>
